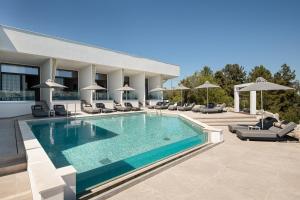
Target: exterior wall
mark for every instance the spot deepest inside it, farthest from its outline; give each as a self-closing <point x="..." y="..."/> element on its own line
<point x="15" y="108"/>
<point x="16" y="40"/>
<point x="115" y="81"/>
<point x="86" y="78"/>
<point x="154" y="82"/>
<point x="138" y="83"/>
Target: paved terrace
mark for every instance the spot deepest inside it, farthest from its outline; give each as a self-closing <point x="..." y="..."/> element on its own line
<point x="234" y="169"/>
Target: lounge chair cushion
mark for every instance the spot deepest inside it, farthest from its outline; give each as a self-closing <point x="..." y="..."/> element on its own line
<point x="287" y="129"/>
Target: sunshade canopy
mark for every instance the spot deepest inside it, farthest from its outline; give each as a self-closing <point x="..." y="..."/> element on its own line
<point x="262" y="85"/>
<point x="207" y="84"/>
<point x="49" y="84"/>
<point x="125" y="88"/>
<point x="158" y="89"/>
<point x="181" y="87"/>
<point x="93" y="87"/>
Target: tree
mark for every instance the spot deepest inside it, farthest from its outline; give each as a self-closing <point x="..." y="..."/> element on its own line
<point x="230" y="75"/>
<point x="259" y="71"/>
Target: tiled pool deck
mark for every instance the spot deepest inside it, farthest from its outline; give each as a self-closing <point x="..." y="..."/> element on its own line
<point x="233" y="170"/>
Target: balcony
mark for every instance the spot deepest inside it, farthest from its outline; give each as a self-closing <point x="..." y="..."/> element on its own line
<point x="17" y="95"/>
<point x="65" y="95"/>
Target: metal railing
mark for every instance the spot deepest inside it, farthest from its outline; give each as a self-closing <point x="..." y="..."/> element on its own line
<point x="101" y="96"/>
<point x="6" y="95"/>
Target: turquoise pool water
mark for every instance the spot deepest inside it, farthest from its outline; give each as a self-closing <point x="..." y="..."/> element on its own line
<point x="102" y="148"/>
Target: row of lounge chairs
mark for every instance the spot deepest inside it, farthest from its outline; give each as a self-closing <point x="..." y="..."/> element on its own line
<point x="212" y="108"/>
<point x="41" y="109"/>
<point x="272" y="130"/>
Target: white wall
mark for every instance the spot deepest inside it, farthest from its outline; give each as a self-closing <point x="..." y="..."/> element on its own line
<point x="154" y="82"/>
<point x="15" y="108"/>
<point x="16" y="40"/>
<point x="115" y="81"/>
<point x="86" y="78"/>
<point x="138" y="83"/>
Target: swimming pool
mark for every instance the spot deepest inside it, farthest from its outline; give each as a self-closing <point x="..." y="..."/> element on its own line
<point x="105" y="147"/>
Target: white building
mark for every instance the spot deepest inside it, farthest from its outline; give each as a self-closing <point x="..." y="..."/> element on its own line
<point x="27" y="59"/>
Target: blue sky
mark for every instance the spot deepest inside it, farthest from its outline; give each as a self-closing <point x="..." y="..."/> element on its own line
<point x="188" y="33"/>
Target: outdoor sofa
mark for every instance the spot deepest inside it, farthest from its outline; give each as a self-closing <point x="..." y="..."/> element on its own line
<point x="267" y="122"/>
<point x="173" y="107"/>
<point x="272" y="134"/>
<point x="39" y="111"/>
<point x="60" y="110"/>
<point x="103" y="109"/>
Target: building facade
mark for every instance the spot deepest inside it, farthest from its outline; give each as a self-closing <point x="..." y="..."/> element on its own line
<point x="27" y="59"/>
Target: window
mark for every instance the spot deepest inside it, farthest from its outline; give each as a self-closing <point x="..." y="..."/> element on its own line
<point x="126" y="80"/>
<point x="101" y="79"/>
<point x="69" y="79"/>
<point x="16" y="83"/>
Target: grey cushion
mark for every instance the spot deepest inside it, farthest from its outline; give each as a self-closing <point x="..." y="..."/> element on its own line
<point x="287" y="129"/>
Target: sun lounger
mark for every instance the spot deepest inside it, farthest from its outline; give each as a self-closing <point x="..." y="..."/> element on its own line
<point x="197" y="108"/>
<point x="186" y="107"/>
<point x="163" y="106"/>
<point x="118" y="107"/>
<point x="268" y="123"/>
<point x="157" y="104"/>
<point x="88" y="108"/>
<point x="38" y="111"/>
<point x="60" y="110"/>
<point x="103" y="109"/>
<point x="272" y="134"/>
<point x="173" y="107"/>
<point x="216" y="109"/>
<point x="132" y="108"/>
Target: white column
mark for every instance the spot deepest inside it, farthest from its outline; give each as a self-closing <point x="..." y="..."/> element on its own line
<point x="154" y="82"/>
<point x="46" y="71"/>
<point x="252" y="102"/>
<point x="137" y="82"/>
<point x="86" y="78"/>
<point x="115" y="81"/>
<point x="236" y="100"/>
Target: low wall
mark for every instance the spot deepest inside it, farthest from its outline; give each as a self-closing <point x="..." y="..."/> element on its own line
<point x="15" y="108"/>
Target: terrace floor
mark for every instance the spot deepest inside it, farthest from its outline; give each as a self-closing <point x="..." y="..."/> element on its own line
<point x="234" y="169"/>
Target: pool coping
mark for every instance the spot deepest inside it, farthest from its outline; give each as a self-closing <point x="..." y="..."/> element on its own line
<point x="62" y="181"/>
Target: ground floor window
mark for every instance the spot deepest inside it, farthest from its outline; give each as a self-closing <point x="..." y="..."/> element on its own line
<point x="69" y="79"/>
<point x="101" y="79"/>
<point x="16" y="83"/>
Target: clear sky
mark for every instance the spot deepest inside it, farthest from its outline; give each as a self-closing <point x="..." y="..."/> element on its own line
<point x="188" y="33"/>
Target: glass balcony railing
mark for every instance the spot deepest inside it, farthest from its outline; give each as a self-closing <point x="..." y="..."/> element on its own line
<point x="131" y="95"/>
<point x="155" y="96"/>
<point x="101" y="96"/>
<point x="17" y="95"/>
<point x="65" y="95"/>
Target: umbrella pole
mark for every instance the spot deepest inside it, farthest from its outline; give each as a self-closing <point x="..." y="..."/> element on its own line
<point x="262" y="112"/>
<point x="181" y="99"/>
<point x="206" y="97"/>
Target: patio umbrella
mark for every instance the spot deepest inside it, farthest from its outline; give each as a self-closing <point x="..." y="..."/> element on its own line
<point x="158" y="89"/>
<point x="181" y="88"/>
<point x="49" y="84"/>
<point x="93" y="87"/>
<point x="125" y="88"/>
<point x="207" y="85"/>
<point x="262" y="85"/>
